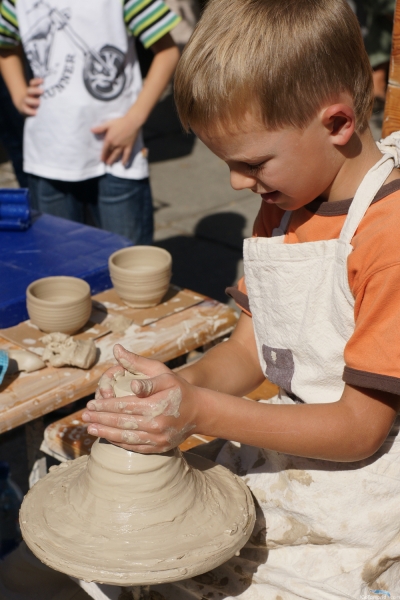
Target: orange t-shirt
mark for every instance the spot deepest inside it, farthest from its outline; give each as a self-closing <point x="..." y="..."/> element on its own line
<point x="372" y="354"/>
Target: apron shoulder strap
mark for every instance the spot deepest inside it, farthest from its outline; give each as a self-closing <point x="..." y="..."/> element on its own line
<point x="283" y="225"/>
<point x="366" y="192"/>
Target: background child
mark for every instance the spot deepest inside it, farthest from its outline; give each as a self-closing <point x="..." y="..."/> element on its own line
<point x="282" y="92"/>
<point x="83" y="146"/>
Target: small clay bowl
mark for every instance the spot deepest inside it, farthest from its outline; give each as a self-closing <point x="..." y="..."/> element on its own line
<point x="140" y="274"/>
<point x="59" y="304"/>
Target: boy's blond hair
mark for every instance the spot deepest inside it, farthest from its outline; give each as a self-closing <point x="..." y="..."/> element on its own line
<point x="286" y="58"/>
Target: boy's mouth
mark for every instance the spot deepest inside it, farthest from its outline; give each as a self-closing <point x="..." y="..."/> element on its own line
<point x="270" y="197"/>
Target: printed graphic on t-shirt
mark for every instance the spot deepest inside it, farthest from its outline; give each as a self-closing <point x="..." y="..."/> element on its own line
<point x="103" y="69"/>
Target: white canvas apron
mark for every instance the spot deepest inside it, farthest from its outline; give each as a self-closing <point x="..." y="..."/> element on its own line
<point x="325" y="530"/>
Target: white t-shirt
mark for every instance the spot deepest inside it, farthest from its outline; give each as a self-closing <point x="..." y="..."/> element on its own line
<point x="82" y="50"/>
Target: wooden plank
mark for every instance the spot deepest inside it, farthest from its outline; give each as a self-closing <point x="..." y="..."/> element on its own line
<point x="175" y="300"/>
<point x="391" y="119"/>
<point x="32" y="395"/>
<point x="264" y="391"/>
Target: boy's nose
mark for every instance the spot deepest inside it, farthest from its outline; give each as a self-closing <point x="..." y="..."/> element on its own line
<point x="239" y="181"/>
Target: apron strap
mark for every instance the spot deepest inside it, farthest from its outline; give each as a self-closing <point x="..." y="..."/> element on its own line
<point x="283" y="225"/>
<point x="366" y="192"/>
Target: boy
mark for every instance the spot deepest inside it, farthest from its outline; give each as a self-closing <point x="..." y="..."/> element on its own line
<point x="83" y="147"/>
<point x="281" y="90"/>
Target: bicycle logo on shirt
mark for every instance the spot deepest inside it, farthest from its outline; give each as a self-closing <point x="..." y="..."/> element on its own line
<point x="103" y="71"/>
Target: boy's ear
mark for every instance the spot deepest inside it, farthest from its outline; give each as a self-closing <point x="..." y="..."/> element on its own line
<point x="340" y="121"/>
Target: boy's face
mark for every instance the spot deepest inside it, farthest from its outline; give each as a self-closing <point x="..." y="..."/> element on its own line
<point x="288" y="167"/>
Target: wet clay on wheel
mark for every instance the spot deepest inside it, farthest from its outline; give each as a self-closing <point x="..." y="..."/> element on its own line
<point x="125" y="518"/>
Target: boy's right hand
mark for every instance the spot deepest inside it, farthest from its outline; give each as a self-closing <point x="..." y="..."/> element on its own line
<point x="160" y="415"/>
<point x="30" y="101"/>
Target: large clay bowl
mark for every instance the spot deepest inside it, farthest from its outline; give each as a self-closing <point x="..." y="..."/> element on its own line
<point x="59" y="304"/>
<point x="140" y="274"/>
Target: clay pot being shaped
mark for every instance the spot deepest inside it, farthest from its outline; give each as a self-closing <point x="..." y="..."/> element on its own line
<point x="140" y="274"/>
<point x="59" y="304"/>
<point x="125" y="518"/>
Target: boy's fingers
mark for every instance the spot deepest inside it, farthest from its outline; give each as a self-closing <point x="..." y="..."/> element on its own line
<point x="126" y="155"/>
<point x="114" y="420"/>
<point x="121" y="436"/>
<point x="36" y="81"/>
<point x="105" y="386"/>
<point x="138" y="364"/>
<point x="128" y="360"/>
<point x="100" y="128"/>
<point x="122" y="422"/>
<point x="28" y="111"/>
<point x="108" y="149"/>
<point x="129" y="405"/>
<point x="32" y="102"/>
<point x="143" y="388"/>
<point x="34" y="91"/>
<point x="114" y="156"/>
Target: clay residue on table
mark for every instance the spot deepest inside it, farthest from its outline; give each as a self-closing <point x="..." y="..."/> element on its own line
<point x="63" y="350"/>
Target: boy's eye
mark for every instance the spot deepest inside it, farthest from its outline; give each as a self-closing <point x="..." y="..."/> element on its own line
<point x="254" y="168"/>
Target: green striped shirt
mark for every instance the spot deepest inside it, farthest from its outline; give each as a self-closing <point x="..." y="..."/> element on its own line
<point x="147" y="20"/>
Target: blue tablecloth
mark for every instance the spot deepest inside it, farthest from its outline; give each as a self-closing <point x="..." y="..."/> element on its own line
<point x="52" y="246"/>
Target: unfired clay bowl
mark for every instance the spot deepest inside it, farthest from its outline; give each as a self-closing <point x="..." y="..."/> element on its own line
<point x="140" y="274"/>
<point x="59" y="304"/>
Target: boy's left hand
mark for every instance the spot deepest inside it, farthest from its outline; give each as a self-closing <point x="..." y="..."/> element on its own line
<point x="119" y="138"/>
<point x="160" y="416"/>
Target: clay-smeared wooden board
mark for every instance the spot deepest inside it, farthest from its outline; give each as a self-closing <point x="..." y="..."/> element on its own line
<point x="106" y="305"/>
<point x="175" y="300"/>
<point x="27" y="335"/>
<point x="30" y="395"/>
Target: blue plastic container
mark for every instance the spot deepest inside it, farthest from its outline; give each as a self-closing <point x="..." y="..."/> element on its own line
<point x="15" y="212"/>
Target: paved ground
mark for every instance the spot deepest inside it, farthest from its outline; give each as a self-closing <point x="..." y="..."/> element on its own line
<point x="199" y="219"/>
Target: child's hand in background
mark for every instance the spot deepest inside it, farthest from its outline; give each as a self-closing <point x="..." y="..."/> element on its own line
<point x="29" y="102"/>
<point x="119" y="138"/>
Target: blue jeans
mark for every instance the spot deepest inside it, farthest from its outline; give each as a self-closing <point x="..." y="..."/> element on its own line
<point x="11" y="132"/>
<point x="123" y="206"/>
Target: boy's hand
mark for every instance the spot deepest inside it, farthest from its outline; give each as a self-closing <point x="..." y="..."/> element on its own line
<point x="159" y="417"/>
<point x="30" y="101"/>
<point x="119" y="137"/>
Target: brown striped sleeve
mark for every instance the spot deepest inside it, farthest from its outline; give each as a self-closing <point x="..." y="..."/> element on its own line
<point x="374" y="381"/>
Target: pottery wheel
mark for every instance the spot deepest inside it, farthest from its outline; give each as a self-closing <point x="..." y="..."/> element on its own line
<point x="125" y="518"/>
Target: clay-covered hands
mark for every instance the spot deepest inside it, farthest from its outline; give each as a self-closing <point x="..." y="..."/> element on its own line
<point x="119" y="138"/>
<point x="29" y="103"/>
<point x="160" y="416"/>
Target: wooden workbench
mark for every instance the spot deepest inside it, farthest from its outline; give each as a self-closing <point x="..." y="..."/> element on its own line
<point x="31" y="395"/>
